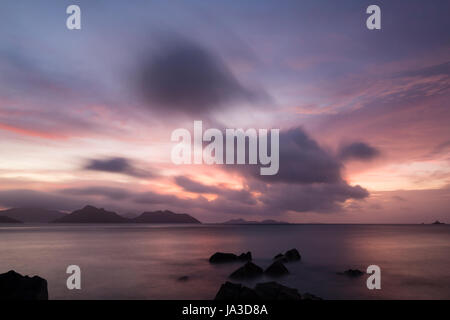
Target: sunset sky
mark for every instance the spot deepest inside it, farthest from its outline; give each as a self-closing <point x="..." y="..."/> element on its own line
<point x="86" y="115"/>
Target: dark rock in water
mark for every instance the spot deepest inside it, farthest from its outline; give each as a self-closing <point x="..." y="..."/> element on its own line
<point x="245" y="256"/>
<point x="262" y="292"/>
<point x="309" y="296"/>
<point x="275" y="291"/>
<point x="222" y="257"/>
<point x="290" y="255"/>
<point x="353" y="273"/>
<point x="279" y="256"/>
<point x="14" y="286"/>
<point x="276" y="269"/>
<point x="183" y="278"/>
<point x="234" y="291"/>
<point x="248" y="270"/>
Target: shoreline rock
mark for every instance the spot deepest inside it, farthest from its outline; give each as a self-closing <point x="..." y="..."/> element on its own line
<point x="288" y="256"/>
<point x="14" y="286"/>
<point x="266" y="291"/>
<point x="276" y="269"/>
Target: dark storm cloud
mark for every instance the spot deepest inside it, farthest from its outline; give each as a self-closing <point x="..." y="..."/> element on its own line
<point x="302" y="161"/>
<point x="117" y="165"/>
<point x="309" y="178"/>
<point x="358" y="151"/>
<point x="186" y="77"/>
<point x="194" y="186"/>
<point x="313" y="197"/>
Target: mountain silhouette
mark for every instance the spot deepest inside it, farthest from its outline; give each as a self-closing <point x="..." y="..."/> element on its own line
<point x="164" y="217"/>
<point x="32" y="214"/>
<point x="5" y="219"/>
<point x="90" y="214"/>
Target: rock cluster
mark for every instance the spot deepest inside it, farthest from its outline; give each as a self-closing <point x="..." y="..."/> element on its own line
<point x="14" y="286"/>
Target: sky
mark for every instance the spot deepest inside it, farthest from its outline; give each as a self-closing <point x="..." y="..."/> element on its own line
<point x="86" y="115"/>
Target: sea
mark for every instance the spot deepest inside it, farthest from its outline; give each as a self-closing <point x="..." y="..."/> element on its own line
<point x="124" y="261"/>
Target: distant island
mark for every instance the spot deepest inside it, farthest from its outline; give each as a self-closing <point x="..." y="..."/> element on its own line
<point x="438" y="222"/>
<point x="243" y="221"/>
<point x="164" y="217"/>
<point x="5" y="219"/>
<point x="31" y="215"/>
<point x="90" y="214"/>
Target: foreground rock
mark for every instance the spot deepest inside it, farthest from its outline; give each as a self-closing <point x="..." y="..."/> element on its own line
<point x="222" y="257"/>
<point x="235" y="291"/>
<point x="353" y="273"/>
<point x="247" y="271"/>
<point x="263" y="291"/>
<point x="14" y="286"/>
<point x="276" y="269"/>
<point x="288" y="256"/>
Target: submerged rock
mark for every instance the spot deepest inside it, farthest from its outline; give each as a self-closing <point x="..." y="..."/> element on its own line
<point x="288" y="256"/>
<point x="183" y="278"/>
<point x="14" y="286"/>
<point x="262" y="292"/>
<point x="353" y="273"/>
<point x="276" y="269"/>
<point x="222" y="257"/>
<point x="248" y="270"/>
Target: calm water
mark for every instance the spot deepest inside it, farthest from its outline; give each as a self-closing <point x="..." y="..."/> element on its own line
<point x="145" y="261"/>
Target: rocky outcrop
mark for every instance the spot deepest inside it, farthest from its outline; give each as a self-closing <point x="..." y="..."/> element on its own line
<point x="222" y="257"/>
<point x="14" y="286"/>
<point x="275" y="291"/>
<point x="235" y="292"/>
<point x="268" y="291"/>
<point x="276" y="269"/>
<point x="247" y="271"/>
<point x="288" y="256"/>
